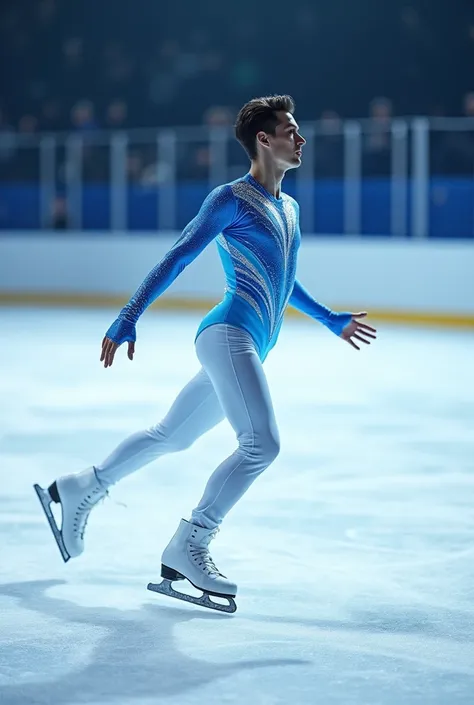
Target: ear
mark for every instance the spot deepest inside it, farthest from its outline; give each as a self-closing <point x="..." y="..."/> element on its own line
<point x="262" y="138"/>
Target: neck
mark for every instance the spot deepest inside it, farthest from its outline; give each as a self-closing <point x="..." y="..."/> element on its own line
<point x="268" y="175"/>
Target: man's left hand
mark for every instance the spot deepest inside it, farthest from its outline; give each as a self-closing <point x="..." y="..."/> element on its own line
<point x="355" y="330"/>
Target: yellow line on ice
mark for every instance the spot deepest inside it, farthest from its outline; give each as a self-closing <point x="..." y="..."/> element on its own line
<point x="94" y="300"/>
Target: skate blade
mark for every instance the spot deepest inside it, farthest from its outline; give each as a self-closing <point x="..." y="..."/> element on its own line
<point x="45" y="499"/>
<point x="165" y="588"/>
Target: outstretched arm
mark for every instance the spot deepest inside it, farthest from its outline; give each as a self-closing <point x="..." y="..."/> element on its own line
<point x="217" y="212"/>
<point x="344" y="324"/>
<point x="302" y="300"/>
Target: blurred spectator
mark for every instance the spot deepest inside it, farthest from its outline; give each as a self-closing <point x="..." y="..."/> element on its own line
<point x="377" y="139"/>
<point x="59" y="219"/>
<point x="28" y="125"/>
<point x="218" y="116"/>
<point x="117" y="115"/>
<point x="83" y="116"/>
<point x="454" y="154"/>
<point x="329" y="160"/>
<point x="198" y="165"/>
<point x="134" y="166"/>
<point x="330" y="123"/>
<point x="380" y="113"/>
<point x="26" y="163"/>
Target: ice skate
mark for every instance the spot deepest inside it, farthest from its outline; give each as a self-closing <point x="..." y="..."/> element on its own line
<point x="77" y="494"/>
<point x="187" y="557"/>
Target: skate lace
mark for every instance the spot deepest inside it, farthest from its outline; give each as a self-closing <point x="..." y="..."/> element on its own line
<point x="84" y="509"/>
<point x="202" y="557"/>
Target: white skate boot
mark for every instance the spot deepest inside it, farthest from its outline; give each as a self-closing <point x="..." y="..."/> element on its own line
<point x="77" y="494"/>
<point x="187" y="556"/>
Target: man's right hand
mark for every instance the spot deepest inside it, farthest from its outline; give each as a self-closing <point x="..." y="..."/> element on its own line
<point x="109" y="348"/>
<point x="119" y="332"/>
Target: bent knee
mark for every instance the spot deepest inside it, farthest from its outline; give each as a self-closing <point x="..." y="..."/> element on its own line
<point x="262" y="445"/>
<point x="271" y="447"/>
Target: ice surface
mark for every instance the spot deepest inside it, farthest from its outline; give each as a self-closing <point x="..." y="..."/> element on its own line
<point x="353" y="552"/>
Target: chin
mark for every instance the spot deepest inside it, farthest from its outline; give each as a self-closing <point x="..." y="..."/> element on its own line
<point x="295" y="163"/>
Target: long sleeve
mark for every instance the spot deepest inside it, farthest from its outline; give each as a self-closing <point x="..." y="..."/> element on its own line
<point x="302" y="300"/>
<point x="217" y="212"/>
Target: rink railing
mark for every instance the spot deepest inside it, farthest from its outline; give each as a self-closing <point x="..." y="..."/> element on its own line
<point x="404" y="153"/>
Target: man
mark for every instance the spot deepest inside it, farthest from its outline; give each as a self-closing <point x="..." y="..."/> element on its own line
<point x="258" y="236"/>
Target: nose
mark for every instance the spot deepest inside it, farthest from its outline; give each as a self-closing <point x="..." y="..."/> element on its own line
<point x="301" y="140"/>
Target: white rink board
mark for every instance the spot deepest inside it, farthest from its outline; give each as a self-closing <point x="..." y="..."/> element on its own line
<point x="380" y="273"/>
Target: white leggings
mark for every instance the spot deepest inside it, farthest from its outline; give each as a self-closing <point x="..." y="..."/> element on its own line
<point x="231" y="384"/>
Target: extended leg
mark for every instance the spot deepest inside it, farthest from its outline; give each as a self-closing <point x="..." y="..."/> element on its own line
<point x="195" y="410"/>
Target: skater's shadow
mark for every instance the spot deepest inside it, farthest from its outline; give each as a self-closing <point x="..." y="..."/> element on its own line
<point x="389" y="620"/>
<point x="137" y="658"/>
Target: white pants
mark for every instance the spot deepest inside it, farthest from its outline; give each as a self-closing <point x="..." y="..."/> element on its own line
<point x="231" y="384"/>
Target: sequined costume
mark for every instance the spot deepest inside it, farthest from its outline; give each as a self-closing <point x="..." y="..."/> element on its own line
<point x="258" y="237"/>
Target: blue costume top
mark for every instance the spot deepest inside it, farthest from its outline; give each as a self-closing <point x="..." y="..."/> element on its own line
<point x="258" y="237"/>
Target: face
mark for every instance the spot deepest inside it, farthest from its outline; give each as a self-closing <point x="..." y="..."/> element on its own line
<point x="286" y="144"/>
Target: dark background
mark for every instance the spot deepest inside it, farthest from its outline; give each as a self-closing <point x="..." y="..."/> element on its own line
<point x="140" y="63"/>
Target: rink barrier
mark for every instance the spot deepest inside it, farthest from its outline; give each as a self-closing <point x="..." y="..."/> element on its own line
<point x="183" y="304"/>
<point x="395" y="280"/>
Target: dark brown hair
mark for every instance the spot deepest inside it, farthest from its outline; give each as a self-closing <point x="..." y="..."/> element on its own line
<point x="258" y="115"/>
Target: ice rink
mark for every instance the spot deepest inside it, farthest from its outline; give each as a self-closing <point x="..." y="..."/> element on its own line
<point x="354" y="552"/>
